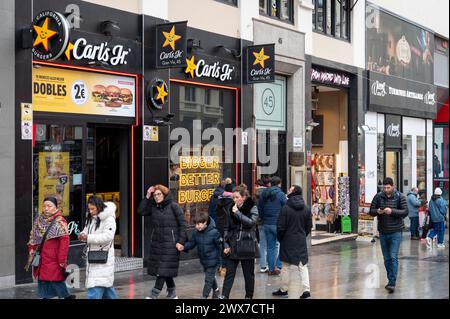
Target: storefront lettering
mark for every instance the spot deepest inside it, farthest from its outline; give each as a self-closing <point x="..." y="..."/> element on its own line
<point x="114" y="56"/>
<point x="195" y="196"/>
<point x="49" y="89"/>
<point x="222" y="72"/>
<point x="329" y="78"/>
<point x="262" y="72"/>
<point x="379" y="89"/>
<point x="73" y="228"/>
<point x="196" y="179"/>
<point x="393" y="130"/>
<point x="171" y="55"/>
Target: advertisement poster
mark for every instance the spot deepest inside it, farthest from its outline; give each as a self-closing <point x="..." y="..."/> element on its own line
<point x="54" y="179"/>
<point x="68" y="91"/>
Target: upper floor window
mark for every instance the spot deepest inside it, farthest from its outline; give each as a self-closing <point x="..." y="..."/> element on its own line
<point x="332" y="17"/>
<point x="279" y="9"/>
<point x="232" y="2"/>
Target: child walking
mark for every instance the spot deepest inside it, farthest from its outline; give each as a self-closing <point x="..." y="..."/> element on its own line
<point x="209" y="246"/>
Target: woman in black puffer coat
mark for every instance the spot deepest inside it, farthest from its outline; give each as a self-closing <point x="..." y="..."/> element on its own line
<point x="168" y="235"/>
<point x="241" y="242"/>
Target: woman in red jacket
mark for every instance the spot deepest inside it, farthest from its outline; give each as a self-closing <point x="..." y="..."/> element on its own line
<point x="53" y="255"/>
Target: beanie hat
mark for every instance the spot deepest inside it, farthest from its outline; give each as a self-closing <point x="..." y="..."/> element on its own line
<point x="55" y="202"/>
<point x="229" y="188"/>
<point x="438" y="191"/>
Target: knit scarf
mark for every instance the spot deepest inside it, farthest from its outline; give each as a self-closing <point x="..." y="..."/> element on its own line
<point x="42" y="222"/>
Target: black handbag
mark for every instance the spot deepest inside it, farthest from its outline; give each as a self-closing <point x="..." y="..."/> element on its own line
<point x="246" y="245"/>
<point x="98" y="256"/>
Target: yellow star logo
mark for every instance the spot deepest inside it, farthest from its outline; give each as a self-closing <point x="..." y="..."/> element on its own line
<point x="161" y="92"/>
<point x="43" y="35"/>
<point x="260" y="58"/>
<point x="171" y="38"/>
<point x="69" y="49"/>
<point x="191" y="66"/>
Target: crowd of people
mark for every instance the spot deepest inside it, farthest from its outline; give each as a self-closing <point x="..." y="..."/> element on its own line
<point x="237" y="229"/>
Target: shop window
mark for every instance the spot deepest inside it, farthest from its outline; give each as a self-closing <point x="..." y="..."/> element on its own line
<point x="332" y="17"/>
<point x="407" y="163"/>
<point x="231" y="2"/>
<point x="421" y="165"/>
<point x="441" y="152"/>
<point x="192" y="186"/>
<point x="58" y="171"/>
<point x="279" y="9"/>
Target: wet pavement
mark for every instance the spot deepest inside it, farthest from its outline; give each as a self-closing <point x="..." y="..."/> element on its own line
<point x="338" y="270"/>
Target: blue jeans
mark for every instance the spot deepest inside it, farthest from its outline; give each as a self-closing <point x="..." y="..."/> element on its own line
<point x="439" y="230"/>
<point x="272" y="247"/>
<point x="262" y="248"/>
<point x="414" y="226"/>
<point x="101" y="293"/>
<point x="52" y="289"/>
<point x="390" y="245"/>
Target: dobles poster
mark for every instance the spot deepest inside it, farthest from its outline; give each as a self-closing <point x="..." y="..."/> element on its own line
<point x="54" y="179"/>
<point x="68" y="91"/>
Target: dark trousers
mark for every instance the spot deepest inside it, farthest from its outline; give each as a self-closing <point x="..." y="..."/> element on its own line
<point x="159" y="284"/>
<point x="210" y="281"/>
<point x="414" y="226"/>
<point x="248" y="268"/>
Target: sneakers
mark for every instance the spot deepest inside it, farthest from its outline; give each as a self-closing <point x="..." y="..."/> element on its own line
<point x="264" y="269"/>
<point x="390" y="288"/>
<point x="275" y="272"/>
<point x="440" y="245"/>
<point x="154" y="294"/>
<point x="429" y="242"/>
<point x="280" y="293"/>
<point x="306" y="295"/>
<point x="216" y="294"/>
<point x="171" y="293"/>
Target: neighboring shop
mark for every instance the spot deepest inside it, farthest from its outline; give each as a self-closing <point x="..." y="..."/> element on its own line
<point x="78" y="132"/>
<point x="330" y="138"/>
<point x="401" y="106"/>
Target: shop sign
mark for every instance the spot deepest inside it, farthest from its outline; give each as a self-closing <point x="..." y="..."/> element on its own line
<point x="261" y="63"/>
<point x="67" y="91"/>
<point x="396" y="92"/>
<point x="198" y="177"/>
<point x="393" y="131"/>
<point x="151" y="133"/>
<point x="157" y="93"/>
<point x="330" y="78"/>
<point x="200" y="68"/>
<point x="27" y="121"/>
<point x="52" y="38"/>
<point x="171" y="45"/>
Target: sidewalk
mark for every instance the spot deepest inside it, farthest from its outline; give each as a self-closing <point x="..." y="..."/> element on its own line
<point x="338" y="270"/>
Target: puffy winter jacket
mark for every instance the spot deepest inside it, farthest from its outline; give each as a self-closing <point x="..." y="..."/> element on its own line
<point x="394" y="222"/>
<point x="270" y="204"/>
<point x="102" y="238"/>
<point x="224" y="205"/>
<point x="209" y="245"/>
<point x="213" y="202"/>
<point x="167" y="228"/>
<point x="244" y="222"/>
<point x="413" y="205"/>
<point x="294" y="225"/>
<point x="437" y="208"/>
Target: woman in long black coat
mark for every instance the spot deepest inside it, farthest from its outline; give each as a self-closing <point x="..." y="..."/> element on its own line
<point x="168" y="235"/>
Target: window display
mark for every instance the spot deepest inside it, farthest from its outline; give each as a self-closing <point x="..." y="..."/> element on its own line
<point x="323" y="187"/>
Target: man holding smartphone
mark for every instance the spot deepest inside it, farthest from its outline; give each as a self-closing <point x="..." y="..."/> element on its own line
<point x="390" y="206"/>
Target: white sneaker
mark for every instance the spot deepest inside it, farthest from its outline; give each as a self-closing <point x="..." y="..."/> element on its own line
<point x="429" y="242"/>
<point x="263" y="270"/>
<point x="440" y="246"/>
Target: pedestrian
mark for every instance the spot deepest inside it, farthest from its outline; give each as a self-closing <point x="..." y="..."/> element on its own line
<point x="213" y="200"/>
<point x="390" y="206"/>
<point x="99" y="235"/>
<point x="414" y="204"/>
<point x="168" y="235"/>
<point x="294" y="225"/>
<point x="270" y="204"/>
<point x="223" y="214"/>
<point x="241" y="243"/>
<point x="438" y="211"/>
<point x="209" y="245"/>
<point x="261" y="185"/>
<point x="48" y="248"/>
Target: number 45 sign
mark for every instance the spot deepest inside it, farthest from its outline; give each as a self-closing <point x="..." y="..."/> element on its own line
<point x="271" y="105"/>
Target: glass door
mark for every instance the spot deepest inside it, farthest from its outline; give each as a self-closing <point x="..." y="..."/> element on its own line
<point x="393" y="167"/>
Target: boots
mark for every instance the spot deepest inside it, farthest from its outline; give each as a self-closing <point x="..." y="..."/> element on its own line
<point x="216" y="294"/>
<point x="154" y="294"/>
<point x="171" y="293"/>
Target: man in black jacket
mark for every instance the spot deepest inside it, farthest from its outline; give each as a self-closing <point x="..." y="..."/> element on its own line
<point x="294" y="225"/>
<point x="390" y="206"/>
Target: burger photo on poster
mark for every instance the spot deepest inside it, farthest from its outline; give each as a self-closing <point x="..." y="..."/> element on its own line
<point x="126" y="96"/>
<point x="113" y="96"/>
<point x="99" y="93"/>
